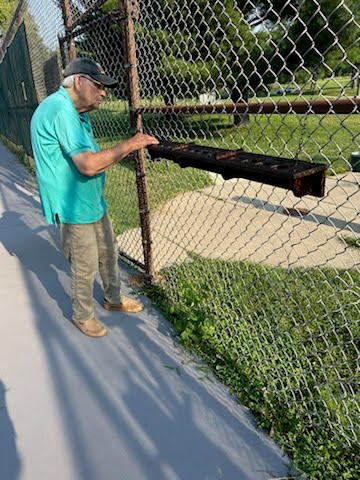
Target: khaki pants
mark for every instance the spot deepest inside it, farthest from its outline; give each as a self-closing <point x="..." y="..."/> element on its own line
<point x="91" y="247"/>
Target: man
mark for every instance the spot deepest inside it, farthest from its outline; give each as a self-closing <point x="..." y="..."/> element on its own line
<point x="70" y="171"/>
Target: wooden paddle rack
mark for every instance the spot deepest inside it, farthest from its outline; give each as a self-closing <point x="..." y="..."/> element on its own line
<point x="302" y="178"/>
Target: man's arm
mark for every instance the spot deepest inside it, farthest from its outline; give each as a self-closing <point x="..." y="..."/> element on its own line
<point x="90" y="163"/>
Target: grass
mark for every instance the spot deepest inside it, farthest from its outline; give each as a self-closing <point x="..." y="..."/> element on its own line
<point x="334" y="86"/>
<point x="284" y="342"/>
<point x="352" y="241"/>
<point x="327" y="139"/>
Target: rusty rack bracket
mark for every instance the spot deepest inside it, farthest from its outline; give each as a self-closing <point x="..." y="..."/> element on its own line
<point x="302" y="178"/>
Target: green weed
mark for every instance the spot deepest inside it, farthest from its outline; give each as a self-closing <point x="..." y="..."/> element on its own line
<point x="284" y="342"/>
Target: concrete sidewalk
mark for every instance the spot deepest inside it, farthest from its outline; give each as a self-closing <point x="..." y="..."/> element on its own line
<point x="130" y="406"/>
<point x="244" y="220"/>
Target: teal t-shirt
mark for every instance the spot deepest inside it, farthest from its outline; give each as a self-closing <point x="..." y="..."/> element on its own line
<point x="58" y="132"/>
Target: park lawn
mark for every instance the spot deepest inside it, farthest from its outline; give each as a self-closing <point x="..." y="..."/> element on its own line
<point x="353" y="242"/>
<point x="342" y="84"/>
<point x="328" y="139"/>
<point x="334" y="86"/>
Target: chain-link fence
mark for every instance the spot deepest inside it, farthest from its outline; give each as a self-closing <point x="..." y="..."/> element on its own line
<point x="265" y="284"/>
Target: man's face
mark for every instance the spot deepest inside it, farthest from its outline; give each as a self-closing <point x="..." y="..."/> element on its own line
<point x="90" y="93"/>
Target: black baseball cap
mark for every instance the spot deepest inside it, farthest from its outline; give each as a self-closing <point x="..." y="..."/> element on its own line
<point x="89" y="67"/>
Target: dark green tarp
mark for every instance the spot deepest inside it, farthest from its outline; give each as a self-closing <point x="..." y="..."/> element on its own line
<point x="17" y="92"/>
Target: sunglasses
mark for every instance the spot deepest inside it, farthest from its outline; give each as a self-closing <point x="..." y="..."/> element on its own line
<point x="99" y="85"/>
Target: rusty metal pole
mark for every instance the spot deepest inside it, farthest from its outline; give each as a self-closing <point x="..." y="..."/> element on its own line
<point x="129" y="49"/>
<point x="66" y="13"/>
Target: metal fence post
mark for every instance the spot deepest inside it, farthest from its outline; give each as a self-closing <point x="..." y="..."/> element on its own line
<point x="130" y="61"/>
<point x="66" y="13"/>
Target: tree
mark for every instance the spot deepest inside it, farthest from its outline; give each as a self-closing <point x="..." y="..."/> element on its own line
<point x="6" y="9"/>
<point x="216" y="39"/>
<point x="188" y="47"/>
<point x="321" y="35"/>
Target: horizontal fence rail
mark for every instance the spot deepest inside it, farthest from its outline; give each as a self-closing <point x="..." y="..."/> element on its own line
<point x="321" y="106"/>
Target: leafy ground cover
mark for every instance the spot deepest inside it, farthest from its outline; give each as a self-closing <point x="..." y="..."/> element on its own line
<point x="284" y="342"/>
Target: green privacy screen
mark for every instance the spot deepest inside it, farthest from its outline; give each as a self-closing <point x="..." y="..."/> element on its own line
<point x="17" y="92"/>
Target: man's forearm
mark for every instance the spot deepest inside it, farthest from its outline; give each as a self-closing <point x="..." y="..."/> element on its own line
<point x="90" y="163"/>
<point x="104" y="159"/>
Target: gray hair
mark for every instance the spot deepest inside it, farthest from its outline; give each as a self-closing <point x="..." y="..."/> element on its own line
<point x="68" y="81"/>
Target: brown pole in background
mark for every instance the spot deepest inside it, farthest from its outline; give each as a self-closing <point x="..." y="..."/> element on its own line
<point x="66" y="13"/>
<point x="321" y="106"/>
<point x="130" y="61"/>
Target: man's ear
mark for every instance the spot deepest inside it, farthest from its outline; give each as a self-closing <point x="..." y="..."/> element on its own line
<point x="77" y="82"/>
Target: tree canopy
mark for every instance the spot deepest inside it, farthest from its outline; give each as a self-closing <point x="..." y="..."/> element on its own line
<point x="188" y="47"/>
<point x="254" y="43"/>
<point x="6" y="9"/>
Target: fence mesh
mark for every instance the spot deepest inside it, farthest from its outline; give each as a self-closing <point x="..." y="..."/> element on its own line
<point x="267" y="284"/>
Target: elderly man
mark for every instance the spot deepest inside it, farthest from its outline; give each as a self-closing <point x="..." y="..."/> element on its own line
<point x="70" y="171"/>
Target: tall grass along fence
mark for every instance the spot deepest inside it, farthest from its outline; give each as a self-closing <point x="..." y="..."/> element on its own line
<point x="266" y="285"/>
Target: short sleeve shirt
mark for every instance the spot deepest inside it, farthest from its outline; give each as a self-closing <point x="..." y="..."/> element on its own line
<point x="58" y="132"/>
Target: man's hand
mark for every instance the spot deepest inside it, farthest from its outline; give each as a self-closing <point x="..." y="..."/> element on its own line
<point x="141" y="140"/>
<point x="89" y="163"/>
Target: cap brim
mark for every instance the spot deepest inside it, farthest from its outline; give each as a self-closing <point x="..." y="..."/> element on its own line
<point x="105" y="80"/>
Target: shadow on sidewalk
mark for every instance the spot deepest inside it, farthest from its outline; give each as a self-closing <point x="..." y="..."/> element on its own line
<point x="319" y="219"/>
<point x="37" y="254"/>
<point x="9" y="458"/>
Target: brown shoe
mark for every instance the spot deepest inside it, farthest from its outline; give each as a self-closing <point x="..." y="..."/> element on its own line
<point x="92" y="327"/>
<point x="126" y="305"/>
